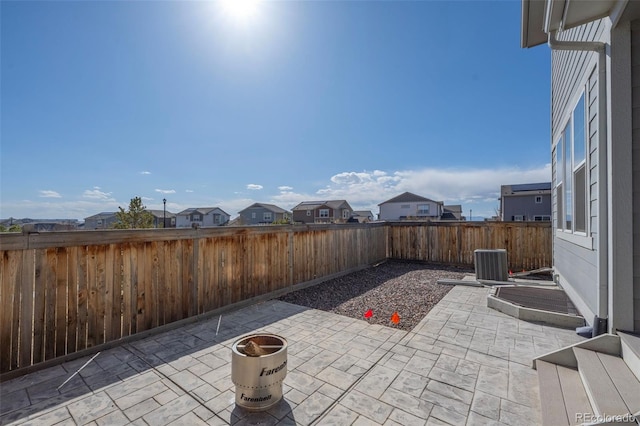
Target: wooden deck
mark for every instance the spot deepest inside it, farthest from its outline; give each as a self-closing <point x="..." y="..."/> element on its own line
<point x="602" y="388"/>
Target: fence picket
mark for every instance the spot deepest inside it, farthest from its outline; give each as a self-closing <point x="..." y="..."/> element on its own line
<point x="64" y="294"/>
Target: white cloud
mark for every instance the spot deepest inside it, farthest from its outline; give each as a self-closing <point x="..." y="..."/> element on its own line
<point x="473" y="188"/>
<point x="46" y="193"/>
<point x="235" y="205"/>
<point x="254" y="187"/>
<point x="166" y="191"/>
<point x="145" y="173"/>
<point x="188" y="190"/>
<point x="96" y="194"/>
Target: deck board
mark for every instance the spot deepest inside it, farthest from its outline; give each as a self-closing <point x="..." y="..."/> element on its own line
<point x="624" y="380"/>
<point x="602" y="392"/>
<point x="632" y="341"/>
<point x="554" y="411"/>
<point x="575" y="396"/>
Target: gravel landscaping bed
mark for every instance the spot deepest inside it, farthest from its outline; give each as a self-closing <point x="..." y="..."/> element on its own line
<point x="408" y="288"/>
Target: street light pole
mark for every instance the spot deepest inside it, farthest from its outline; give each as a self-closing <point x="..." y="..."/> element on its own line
<point x="164" y="213"/>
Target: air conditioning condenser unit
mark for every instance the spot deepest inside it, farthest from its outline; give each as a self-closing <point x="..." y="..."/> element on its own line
<point x="491" y="264"/>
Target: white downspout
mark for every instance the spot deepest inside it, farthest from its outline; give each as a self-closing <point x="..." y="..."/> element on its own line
<point x="603" y="196"/>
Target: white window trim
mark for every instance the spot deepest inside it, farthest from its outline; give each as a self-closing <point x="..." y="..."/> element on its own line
<point x="559" y="135"/>
<point x="577" y="238"/>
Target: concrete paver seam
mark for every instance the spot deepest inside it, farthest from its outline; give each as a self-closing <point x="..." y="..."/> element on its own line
<point x="192" y="396"/>
<point x="351" y="387"/>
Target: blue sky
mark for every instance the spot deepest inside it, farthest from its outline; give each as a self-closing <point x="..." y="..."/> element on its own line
<point x="300" y="100"/>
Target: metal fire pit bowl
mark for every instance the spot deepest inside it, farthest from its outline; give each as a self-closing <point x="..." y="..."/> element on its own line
<point x="258" y="379"/>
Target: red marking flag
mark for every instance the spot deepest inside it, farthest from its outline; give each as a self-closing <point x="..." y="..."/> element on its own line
<point x="395" y="318"/>
<point x="368" y="314"/>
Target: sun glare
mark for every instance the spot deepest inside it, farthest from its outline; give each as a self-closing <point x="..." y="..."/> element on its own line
<point x="240" y="11"/>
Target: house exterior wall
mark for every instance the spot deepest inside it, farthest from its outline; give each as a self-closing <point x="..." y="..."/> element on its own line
<point x="214" y="218"/>
<point x="399" y="211"/>
<point x="318" y="218"/>
<point x="525" y="205"/>
<point x="256" y="216"/>
<point x="635" y="94"/>
<point x="183" y="221"/>
<point x="336" y="215"/>
<point x="105" y="222"/>
<point x="300" y="216"/>
<point x="575" y="255"/>
<point x="313" y="215"/>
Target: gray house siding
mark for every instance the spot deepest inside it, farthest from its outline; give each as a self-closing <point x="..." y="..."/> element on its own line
<point x="256" y="216"/>
<point x="596" y="251"/>
<point x="576" y="259"/>
<point x="100" y="221"/>
<point x="259" y="215"/>
<point x="635" y="93"/>
<point x="526" y="206"/>
<point x="578" y="267"/>
<point x="569" y="68"/>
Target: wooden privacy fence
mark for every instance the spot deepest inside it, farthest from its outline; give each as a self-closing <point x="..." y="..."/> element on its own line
<point x="66" y="292"/>
<point x="528" y="244"/>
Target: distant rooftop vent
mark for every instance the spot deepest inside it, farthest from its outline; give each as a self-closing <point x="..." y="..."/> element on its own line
<point x="491" y="265"/>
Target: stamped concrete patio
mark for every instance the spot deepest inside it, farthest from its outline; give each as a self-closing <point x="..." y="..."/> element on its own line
<point x="463" y="364"/>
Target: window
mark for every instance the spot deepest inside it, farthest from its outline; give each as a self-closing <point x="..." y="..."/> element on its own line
<point x="323" y="213"/>
<point x="345" y="214"/>
<point x="541" y="218"/>
<point x="538" y="199"/>
<point x="196" y="217"/>
<point x="308" y="212"/>
<point x="423" y="209"/>
<point x="267" y="217"/>
<point x="571" y="178"/>
<point x="253" y="215"/>
<point x="518" y="218"/>
<point x="559" y="180"/>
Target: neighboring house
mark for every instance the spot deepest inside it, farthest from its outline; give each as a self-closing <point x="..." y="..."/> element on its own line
<point x="160" y="215"/>
<point x="104" y="220"/>
<point x="262" y="213"/>
<point x="525" y="202"/>
<point x="40" y="225"/>
<point x="361" y="216"/>
<point x="45" y="225"/>
<point x="595" y="144"/>
<point x="410" y="206"/>
<point x="201" y="216"/>
<point x="332" y="211"/>
<point x="453" y="212"/>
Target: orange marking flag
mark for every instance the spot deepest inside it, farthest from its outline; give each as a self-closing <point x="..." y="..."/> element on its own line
<point x="368" y="314"/>
<point x="395" y="318"/>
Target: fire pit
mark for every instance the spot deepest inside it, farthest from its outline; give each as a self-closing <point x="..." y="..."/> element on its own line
<point x="258" y="368"/>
